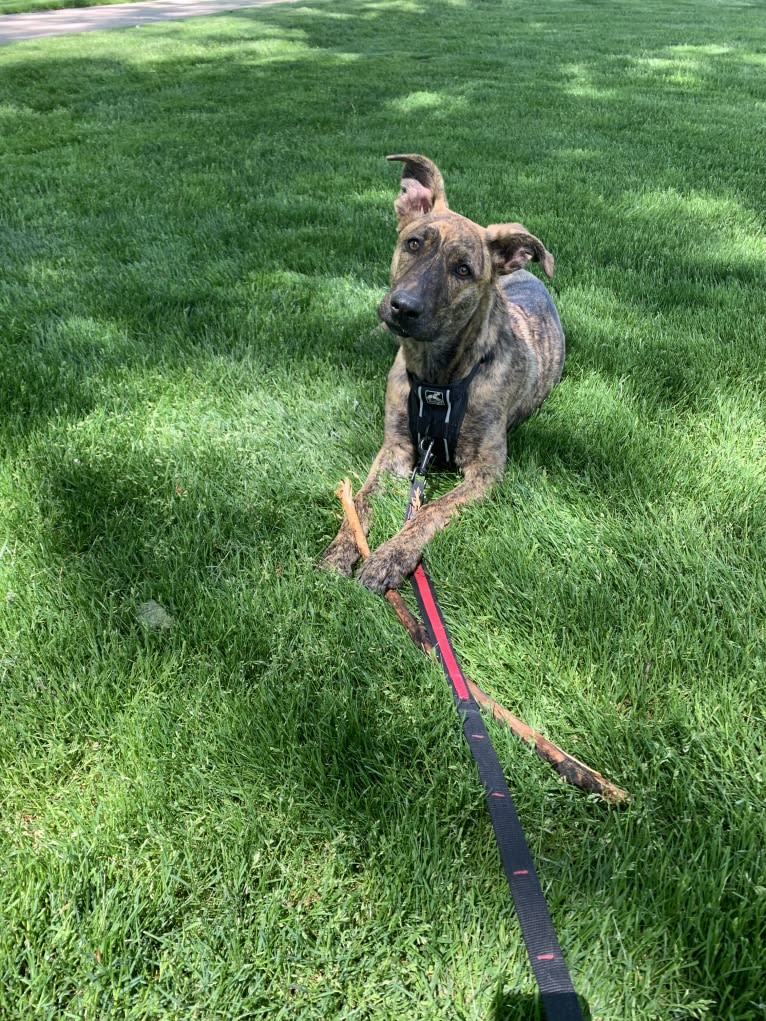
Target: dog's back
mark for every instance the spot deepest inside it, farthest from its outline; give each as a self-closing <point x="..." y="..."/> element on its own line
<point x="535" y="324"/>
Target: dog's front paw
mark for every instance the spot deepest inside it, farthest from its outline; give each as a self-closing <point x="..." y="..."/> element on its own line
<point x="341" y="556"/>
<point x="387" y="567"/>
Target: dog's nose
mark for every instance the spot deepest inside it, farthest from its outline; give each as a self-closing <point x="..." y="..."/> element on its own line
<point x="406" y="305"/>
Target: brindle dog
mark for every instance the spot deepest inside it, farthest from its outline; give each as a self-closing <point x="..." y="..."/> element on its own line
<point x="459" y="299"/>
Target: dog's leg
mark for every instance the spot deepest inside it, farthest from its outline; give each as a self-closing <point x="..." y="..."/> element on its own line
<point x="396" y="559"/>
<point x="342" y="553"/>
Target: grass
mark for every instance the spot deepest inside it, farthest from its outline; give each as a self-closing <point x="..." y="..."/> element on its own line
<point x="266" y="810"/>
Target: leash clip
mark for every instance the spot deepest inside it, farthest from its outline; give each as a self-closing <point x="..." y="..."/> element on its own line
<point x="417" y="496"/>
<point x="426" y="456"/>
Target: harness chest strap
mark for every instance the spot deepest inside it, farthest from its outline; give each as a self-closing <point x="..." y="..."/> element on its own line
<point x="436" y="413"/>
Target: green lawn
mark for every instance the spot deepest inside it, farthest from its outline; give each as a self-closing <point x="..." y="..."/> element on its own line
<point x="264" y="809"/>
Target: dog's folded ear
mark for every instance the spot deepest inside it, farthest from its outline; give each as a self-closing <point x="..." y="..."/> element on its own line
<point x="422" y="189"/>
<point x="512" y="247"/>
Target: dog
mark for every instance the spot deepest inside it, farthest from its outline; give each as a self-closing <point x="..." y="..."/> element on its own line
<point x="480" y="348"/>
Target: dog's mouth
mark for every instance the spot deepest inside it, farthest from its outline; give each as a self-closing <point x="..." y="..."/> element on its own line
<point x="405" y="332"/>
<point x="393" y="321"/>
<point x="396" y="328"/>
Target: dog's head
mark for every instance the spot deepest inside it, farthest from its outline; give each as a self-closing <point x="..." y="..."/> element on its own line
<point x="444" y="265"/>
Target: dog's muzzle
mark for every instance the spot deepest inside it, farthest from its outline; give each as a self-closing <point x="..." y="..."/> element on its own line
<point x="402" y="312"/>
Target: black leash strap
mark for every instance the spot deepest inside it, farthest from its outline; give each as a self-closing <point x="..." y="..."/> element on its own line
<point x="557" y="993"/>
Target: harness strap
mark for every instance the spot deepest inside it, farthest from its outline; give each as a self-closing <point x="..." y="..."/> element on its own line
<point x="436" y="413"/>
<point x="556" y="989"/>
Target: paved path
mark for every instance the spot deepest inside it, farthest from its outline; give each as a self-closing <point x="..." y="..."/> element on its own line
<point x="86" y="19"/>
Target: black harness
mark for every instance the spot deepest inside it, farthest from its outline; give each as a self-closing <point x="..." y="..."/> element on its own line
<point x="436" y="414"/>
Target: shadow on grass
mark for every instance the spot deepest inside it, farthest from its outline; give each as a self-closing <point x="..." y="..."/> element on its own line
<point x="181" y="173"/>
<point x="518" y="1007"/>
<point x="215" y="195"/>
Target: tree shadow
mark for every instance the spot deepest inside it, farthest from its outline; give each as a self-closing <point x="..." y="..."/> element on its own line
<point x="149" y="246"/>
<point x="162" y="253"/>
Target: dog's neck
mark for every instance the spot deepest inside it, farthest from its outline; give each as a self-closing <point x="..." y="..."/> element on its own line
<point x="443" y="361"/>
<point x="436" y="363"/>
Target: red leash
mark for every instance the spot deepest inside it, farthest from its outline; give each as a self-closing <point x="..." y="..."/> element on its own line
<point x="557" y="992"/>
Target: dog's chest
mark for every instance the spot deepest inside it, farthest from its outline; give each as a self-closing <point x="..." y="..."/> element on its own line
<point x="435" y="414"/>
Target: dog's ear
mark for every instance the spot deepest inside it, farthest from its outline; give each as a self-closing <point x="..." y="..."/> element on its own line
<point x="422" y="189"/>
<point x="512" y="247"/>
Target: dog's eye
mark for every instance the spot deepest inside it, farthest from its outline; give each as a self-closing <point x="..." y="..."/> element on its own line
<point x="412" y="244"/>
<point x="463" y="270"/>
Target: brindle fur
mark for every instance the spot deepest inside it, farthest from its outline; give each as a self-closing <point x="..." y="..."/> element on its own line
<point x="459" y="295"/>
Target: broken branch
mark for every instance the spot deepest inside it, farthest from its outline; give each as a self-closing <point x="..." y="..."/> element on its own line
<point x="568" y="767"/>
<point x="413" y="628"/>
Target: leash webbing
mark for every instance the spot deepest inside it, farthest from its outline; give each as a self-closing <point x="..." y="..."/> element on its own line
<point x="557" y="992"/>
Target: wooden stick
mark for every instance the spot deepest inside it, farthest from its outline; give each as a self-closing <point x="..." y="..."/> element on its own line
<point x="413" y="628"/>
<point x="568" y="767"/>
